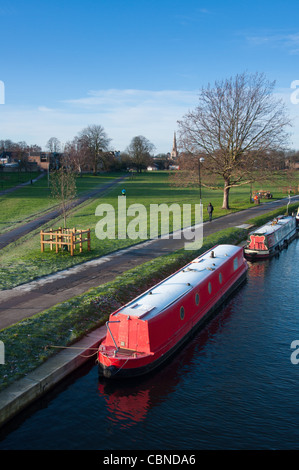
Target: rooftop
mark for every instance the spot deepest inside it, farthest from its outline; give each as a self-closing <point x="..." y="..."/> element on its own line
<point x="157" y="299"/>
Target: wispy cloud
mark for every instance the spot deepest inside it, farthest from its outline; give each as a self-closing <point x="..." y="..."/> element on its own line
<point x="123" y="113"/>
<point x="131" y="97"/>
<point x="284" y="40"/>
<point x="193" y="17"/>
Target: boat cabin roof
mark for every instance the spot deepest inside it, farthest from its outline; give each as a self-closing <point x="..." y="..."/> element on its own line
<point x="273" y="225"/>
<point x="161" y="296"/>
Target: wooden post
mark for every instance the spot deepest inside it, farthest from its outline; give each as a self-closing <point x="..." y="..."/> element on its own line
<point x="80" y="237"/>
<point x="42" y="241"/>
<point x="51" y="239"/>
<point x="88" y="239"/>
<point x="72" y="243"/>
<point x="58" y="239"/>
<point x="74" y="238"/>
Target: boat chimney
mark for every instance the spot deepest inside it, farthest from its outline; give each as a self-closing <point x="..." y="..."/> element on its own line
<point x="212" y="255"/>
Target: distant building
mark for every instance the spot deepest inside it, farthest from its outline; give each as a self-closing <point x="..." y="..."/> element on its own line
<point x="45" y="160"/>
<point x="174" y="153"/>
<point x="42" y="159"/>
<point x="5" y="157"/>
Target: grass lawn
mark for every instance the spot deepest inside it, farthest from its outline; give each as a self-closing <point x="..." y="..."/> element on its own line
<point x="9" y="179"/>
<point x="23" y="261"/>
<point x="30" y="201"/>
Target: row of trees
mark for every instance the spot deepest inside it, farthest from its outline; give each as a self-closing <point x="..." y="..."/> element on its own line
<point x="91" y="149"/>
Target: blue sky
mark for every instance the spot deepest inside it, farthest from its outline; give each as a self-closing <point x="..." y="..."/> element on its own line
<point x="134" y="66"/>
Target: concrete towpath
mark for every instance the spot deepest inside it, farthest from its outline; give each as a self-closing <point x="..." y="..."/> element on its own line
<point x="13" y="235"/>
<point x="31" y="298"/>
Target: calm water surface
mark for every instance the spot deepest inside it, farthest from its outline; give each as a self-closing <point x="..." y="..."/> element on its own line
<point x="233" y="387"/>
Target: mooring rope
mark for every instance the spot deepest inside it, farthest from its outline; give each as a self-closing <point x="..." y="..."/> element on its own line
<point x="76" y="347"/>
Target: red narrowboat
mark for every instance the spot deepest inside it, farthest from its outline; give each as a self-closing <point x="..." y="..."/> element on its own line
<point x="144" y="333"/>
<point x="270" y="238"/>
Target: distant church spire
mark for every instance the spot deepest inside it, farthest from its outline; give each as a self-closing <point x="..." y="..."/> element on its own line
<point x="174" y="152"/>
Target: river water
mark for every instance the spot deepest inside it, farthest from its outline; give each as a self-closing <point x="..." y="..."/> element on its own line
<point x="233" y="386"/>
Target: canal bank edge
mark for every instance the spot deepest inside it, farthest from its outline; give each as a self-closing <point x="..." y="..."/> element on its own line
<point x="20" y="394"/>
<point x="17" y="396"/>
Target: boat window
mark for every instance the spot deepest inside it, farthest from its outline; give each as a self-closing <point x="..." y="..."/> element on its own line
<point x="220" y="278"/>
<point x="235" y="263"/>
<point x="210" y="288"/>
<point x="197" y="298"/>
<point x="182" y="313"/>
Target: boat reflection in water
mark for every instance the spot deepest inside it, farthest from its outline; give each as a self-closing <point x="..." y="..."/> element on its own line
<point x="259" y="269"/>
<point x="129" y="402"/>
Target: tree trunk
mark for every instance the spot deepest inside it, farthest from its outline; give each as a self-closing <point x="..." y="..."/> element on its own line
<point x="226" y="189"/>
<point x="95" y="166"/>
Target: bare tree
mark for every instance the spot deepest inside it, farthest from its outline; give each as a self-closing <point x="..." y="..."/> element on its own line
<point x="20" y="153"/>
<point x="63" y="187"/>
<point x="94" y="143"/>
<point x="236" y="125"/>
<point x="53" y="145"/>
<point x="76" y="155"/>
<point x="140" y="150"/>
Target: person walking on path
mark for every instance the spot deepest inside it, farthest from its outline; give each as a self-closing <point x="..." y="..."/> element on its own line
<point x="210" y="209"/>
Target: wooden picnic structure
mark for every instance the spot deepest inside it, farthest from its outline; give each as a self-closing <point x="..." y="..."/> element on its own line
<point x="65" y="239"/>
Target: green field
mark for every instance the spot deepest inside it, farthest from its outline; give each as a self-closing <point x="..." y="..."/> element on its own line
<point x="30" y="201"/>
<point x="23" y="261"/>
<point x="10" y="179"/>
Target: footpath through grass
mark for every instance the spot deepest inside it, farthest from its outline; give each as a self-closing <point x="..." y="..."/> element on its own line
<point x="10" y="179"/>
<point x="30" y="342"/>
<point x="28" y="202"/>
<point x="23" y="261"/>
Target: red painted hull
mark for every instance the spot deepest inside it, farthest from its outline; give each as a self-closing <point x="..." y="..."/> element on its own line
<point x="135" y="345"/>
